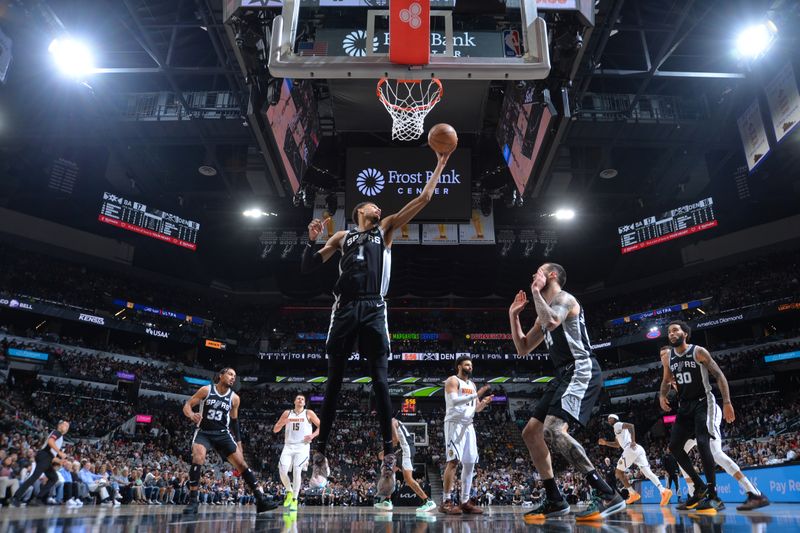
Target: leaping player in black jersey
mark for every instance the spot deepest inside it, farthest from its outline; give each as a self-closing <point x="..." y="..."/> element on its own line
<point x="690" y="366"/>
<point x="218" y="429"/>
<point x="360" y="310"/>
<point x="570" y="397"/>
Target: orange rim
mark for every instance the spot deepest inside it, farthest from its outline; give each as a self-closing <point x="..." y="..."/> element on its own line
<point x="429" y="105"/>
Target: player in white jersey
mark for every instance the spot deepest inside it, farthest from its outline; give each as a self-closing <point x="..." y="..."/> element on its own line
<point x="296" y="448"/>
<point x="632" y="454"/>
<point x="462" y="402"/>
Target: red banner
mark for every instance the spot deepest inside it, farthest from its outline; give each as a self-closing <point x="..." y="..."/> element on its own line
<point x="670" y="236"/>
<point x="147" y="232"/>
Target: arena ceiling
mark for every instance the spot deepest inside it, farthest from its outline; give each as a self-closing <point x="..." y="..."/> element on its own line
<point x="640" y="59"/>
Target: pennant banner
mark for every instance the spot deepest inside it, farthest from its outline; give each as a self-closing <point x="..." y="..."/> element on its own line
<point x="784" y="102"/>
<point x="754" y="136"/>
<point x="336" y="222"/>
<point x="480" y="230"/>
<point x="440" y="234"/>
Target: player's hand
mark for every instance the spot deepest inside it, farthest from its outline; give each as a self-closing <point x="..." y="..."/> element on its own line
<point x="483" y="390"/>
<point x="727" y="413"/>
<point x="539" y="281"/>
<point x="443" y="158"/>
<point x="196" y="418"/>
<point x="664" y="403"/>
<point x="308" y="438"/>
<point x="601" y="442"/>
<point x="488" y="399"/>
<point x="315" y="228"/>
<point x="519" y="303"/>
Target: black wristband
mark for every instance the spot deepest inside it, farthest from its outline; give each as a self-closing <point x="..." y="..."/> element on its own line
<point x="235" y="429"/>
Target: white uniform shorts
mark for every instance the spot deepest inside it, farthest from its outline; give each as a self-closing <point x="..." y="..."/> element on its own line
<point x="295" y="456"/>
<point x="632" y="455"/>
<point x="460" y="442"/>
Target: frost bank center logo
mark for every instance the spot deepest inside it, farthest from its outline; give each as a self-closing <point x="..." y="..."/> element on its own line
<point x="355" y="43"/>
<point x="370" y="182"/>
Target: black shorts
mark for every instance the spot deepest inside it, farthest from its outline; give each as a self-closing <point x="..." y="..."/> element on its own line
<point x="573" y="393"/>
<point x="220" y="441"/>
<point x="363" y="318"/>
<point x="694" y="417"/>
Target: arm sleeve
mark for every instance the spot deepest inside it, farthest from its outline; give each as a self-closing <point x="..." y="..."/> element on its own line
<point x="461" y="400"/>
<point x="311" y="259"/>
<point x="235" y="430"/>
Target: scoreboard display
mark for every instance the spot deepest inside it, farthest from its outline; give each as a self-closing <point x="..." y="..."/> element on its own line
<point x="678" y="222"/>
<point x="136" y="216"/>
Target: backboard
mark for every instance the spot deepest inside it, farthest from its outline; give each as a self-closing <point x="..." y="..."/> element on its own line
<point x="469" y="39"/>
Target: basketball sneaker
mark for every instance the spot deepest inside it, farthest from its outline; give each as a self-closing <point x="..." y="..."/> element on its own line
<point x="692" y="501"/>
<point x="633" y="497"/>
<point x="293" y="505"/>
<point x="710" y="505"/>
<point x="600" y="508"/>
<point x="753" y="502"/>
<point x="448" y="507"/>
<point x="666" y="496"/>
<point x="287" y="501"/>
<point x="469" y="507"/>
<point x="385" y="505"/>
<point x="263" y="504"/>
<point x="426" y="507"/>
<point x="547" y="509"/>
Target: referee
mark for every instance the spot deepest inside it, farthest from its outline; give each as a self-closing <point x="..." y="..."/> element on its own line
<point x="45" y="464"/>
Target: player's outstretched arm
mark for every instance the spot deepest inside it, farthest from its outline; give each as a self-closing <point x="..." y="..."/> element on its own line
<point x="609" y="443"/>
<point x="412" y="208"/>
<point x="702" y="356"/>
<point x="484" y="403"/>
<point x="194" y="401"/>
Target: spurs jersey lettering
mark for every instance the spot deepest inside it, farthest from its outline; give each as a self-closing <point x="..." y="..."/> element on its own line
<point x="297" y="427"/>
<point x="215" y="410"/>
<point x="466" y="411"/>
<point x="405" y="438"/>
<point x="569" y="342"/>
<point x="690" y="376"/>
<point x="55" y="434"/>
<point x="622" y="435"/>
<point x="365" y="265"/>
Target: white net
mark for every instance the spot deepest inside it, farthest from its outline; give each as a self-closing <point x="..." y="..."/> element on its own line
<point x="408" y="102"/>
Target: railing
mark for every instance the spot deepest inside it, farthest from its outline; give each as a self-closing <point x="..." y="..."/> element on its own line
<point x="648" y="108"/>
<point x="166" y="106"/>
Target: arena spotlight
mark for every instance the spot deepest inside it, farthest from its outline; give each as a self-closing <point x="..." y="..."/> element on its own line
<point x="564" y="214"/>
<point x="72" y="57"/>
<point x="754" y="41"/>
<point x="257" y="213"/>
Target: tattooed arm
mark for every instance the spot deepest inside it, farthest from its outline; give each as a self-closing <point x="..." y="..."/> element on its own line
<point x="551" y="316"/>
<point x="702" y="356"/>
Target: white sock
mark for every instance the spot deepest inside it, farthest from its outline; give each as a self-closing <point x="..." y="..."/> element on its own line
<point x="747" y="486"/>
<point x="447" y="496"/>
<point x="652" y="477"/>
<point x="297" y="481"/>
<point x="467" y="471"/>
<point x="284" y="473"/>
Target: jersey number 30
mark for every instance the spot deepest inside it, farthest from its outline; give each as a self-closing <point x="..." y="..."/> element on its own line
<point x="213" y="414"/>
<point x="683" y="378"/>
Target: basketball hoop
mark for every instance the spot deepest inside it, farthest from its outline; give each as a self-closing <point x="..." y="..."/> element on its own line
<point x="408" y="102"/>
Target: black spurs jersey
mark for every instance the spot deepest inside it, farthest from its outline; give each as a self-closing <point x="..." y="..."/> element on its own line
<point x="365" y="265"/>
<point x="215" y="410"/>
<point x="690" y="376"/>
<point x="569" y="342"/>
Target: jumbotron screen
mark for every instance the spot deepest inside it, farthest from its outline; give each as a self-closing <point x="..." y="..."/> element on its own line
<point x="136" y="216"/>
<point x="678" y="222"/>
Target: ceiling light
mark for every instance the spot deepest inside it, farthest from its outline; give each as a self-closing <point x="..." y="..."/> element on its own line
<point x="609" y="173"/>
<point x="73" y="58"/>
<point x="564" y="214"/>
<point x="755" y="40"/>
<point x="257" y="213"/>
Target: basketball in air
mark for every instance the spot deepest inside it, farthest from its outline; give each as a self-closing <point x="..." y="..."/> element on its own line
<point x="442" y="138"/>
<point x="317" y="482"/>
